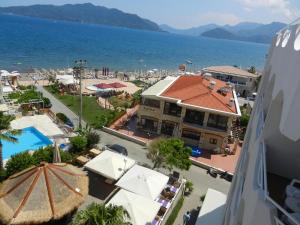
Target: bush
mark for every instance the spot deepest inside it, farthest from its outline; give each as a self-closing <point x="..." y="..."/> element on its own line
<point x="3" y="175"/>
<point x="245" y="120"/>
<point x="93" y="139"/>
<point x="43" y="155"/>
<point x="62" y="117"/>
<point x="189" y="187"/>
<point x="65" y="156"/>
<point x="19" y="162"/>
<point x="47" y="102"/>
<point x="79" y="143"/>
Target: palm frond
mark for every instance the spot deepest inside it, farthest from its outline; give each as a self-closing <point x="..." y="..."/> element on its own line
<point x="8" y="138"/>
<point x="14" y="132"/>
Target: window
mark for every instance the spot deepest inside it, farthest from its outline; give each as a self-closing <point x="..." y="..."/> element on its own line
<point x="151" y="103"/>
<point x="172" y="109"/>
<point x="190" y="134"/>
<point x="167" y="128"/>
<point x="217" y="121"/>
<point x="195" y="117"/>
<point x="213" y="141"/>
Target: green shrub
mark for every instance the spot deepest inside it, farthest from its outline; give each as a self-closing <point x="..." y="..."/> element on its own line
<point x="3" y="175"/>
<point x="47" y="102"/>
<point x="93" y="139"/>
<point x="65" y="156"/>
<point x="62" y="117"/>
<point x="79" y="143"/>
<point x="189" y="187"/>
<point x="175" y="212"/>
<point x="14" y="95"/>
<point x="19" y="162"/>
<point x="43" y="155"/>
<point x="245" y="120"/>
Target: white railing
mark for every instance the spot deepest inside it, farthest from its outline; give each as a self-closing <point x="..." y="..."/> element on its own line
<point x="269" y="199"/>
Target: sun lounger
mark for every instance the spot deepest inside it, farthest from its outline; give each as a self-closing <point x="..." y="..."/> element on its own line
<point x="95" y="152"/>
<point x="82" y="160"/>
<point x="293" y="204"/>
<point x="292" y="190"/>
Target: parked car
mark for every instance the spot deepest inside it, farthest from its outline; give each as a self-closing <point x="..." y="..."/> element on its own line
<point x="117" y="148"/>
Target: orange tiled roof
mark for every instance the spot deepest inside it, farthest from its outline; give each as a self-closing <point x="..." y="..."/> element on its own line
<point x="194" y="90"/>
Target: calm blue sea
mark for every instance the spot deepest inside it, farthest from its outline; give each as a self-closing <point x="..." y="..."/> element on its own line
<point x="30" y="42"/>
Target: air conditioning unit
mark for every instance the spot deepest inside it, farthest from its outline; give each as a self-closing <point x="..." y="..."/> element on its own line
<point x="207" y="76"/>
<point x="212" y="84"/>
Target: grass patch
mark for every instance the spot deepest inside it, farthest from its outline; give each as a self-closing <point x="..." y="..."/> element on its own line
<point x="93" y="114"/>
<point x="138" y="83"/>
<point x="175" y="212"/>
<point x="118" y="102"/>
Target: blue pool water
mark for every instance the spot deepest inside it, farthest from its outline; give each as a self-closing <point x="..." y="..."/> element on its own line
<point x="30" y="139"/>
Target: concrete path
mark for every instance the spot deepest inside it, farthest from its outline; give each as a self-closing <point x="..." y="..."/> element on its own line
<point x="57" y="106"/>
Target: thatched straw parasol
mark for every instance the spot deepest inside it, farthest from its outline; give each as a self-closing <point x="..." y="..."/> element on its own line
<point x="42" y="193"/>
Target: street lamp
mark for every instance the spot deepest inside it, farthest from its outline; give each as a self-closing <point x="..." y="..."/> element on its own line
<point x="78" y="72"/>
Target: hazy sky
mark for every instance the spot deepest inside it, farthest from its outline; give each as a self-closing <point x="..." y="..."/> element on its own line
<point x="189" y="13"/>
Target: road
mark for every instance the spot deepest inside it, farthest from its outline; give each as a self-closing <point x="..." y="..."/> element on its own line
<point x="201" y="180"/>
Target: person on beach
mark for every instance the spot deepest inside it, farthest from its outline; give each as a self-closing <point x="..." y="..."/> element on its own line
<point x="186" y="217"/>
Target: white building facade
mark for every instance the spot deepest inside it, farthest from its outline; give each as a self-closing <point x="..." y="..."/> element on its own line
<point x="270" y="157"/>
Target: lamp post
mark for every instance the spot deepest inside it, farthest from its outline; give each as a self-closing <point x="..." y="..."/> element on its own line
<point x="78" y="71"/>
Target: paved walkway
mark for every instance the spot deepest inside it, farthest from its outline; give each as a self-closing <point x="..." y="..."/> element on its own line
<point x="57" y="106"/>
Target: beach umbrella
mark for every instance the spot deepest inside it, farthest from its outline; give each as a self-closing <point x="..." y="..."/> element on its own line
<point x="117" y="85"/>
<point x="103" y="86"/>
<point x="143" y="181"/>
<point x="141" y="210"/>
<point x="110" y="164"/>
<point x="42" y="193"/>
<point x="56" y="154"/>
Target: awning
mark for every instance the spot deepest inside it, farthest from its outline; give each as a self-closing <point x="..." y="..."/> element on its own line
<point x="143" y="181"/>
<point x="110" y="164"/>
<point x="140" y="209"/>
<point x="213" y="208"/>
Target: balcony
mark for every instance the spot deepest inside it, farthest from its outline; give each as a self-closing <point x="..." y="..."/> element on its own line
<point x="194" y="118"/>
<point x="151" y="103"/>
<point x="274" y="188"/>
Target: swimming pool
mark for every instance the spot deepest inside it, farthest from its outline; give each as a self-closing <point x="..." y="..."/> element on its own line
<point x="30" y="139"/>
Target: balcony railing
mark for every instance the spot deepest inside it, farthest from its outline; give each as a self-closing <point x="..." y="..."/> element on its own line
<point x="287" y="215"/>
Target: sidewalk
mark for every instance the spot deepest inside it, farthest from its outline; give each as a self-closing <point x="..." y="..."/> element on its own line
<point x="191" y="203"/>
<point x="58" y="106"/>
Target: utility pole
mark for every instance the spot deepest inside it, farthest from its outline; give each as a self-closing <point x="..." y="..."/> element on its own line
<point x="78" y="72"/>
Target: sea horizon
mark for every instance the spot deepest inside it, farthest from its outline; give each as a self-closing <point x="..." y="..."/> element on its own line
<point x="28" y="42"/>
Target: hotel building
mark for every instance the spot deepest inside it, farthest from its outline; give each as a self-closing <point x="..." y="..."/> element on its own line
<point x="198" y="109"/>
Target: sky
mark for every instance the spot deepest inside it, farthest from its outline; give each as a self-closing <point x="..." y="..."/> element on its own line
<point x="191" y="13"/>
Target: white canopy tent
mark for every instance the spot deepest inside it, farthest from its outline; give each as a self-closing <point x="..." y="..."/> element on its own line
<point x="213" y="208"/>
<point x="141" y="210"/>
<point x="143" y="181"/>
<point x="110" y="164"/>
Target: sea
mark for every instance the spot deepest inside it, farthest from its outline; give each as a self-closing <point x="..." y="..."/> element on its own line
<point x="27" y="42"/>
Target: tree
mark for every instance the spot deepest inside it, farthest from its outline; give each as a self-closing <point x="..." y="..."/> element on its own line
<point x="99" y="214"/>
<point x="19" y="162"/>
<point x="252" y="69"/>
<point x="6" y="133"/>
<point x="169" y="153"/>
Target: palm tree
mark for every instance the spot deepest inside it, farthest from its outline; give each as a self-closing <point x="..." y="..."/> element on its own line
<point x="99" y="214"/>
<point x="6" y="133"/>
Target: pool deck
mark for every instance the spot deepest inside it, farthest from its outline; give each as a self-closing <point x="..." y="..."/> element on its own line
<point x="41" y="122"/>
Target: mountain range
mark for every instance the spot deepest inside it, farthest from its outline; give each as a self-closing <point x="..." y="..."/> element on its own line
<point x="246" y="31"/>
<point x="89" y="13"/>
<point x="83" y="13"/>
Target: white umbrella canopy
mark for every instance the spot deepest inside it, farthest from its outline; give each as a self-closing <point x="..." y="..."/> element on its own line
<point x="133" y="204"/>
<point x="143" y="181"/>
<point x="110" y="164"/>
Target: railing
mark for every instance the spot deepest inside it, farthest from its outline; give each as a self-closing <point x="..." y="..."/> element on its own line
<point x="277" y="220"/>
